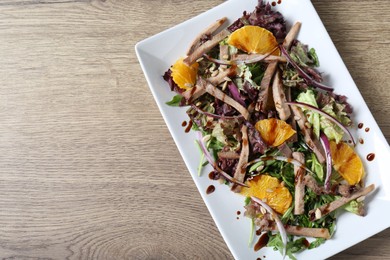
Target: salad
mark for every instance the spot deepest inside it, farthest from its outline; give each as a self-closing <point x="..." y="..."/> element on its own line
<point x="271" y="129"/>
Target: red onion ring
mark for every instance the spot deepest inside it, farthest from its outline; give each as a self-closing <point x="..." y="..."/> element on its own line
<point x="331" y="118"/>
<point x="309" y="80"/>
<point x="325" y="144"/>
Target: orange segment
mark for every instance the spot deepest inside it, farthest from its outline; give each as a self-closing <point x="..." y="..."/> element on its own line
<point x="270" y="190"/>
<point x="347" y="162"/>
<point x="184" y="76"/>
<point x="254" y="39"/>
<point x="274" y="131"/>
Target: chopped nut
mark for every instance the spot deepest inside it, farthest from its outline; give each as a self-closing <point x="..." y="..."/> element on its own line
<point x="360" y="199"/>
<point x="206" y="138"/>
<point x="261" y="167"/>
<point x="262" y="210"/>
<point x="294" y="77"/>
<point x="318" y="214"/>
<point x="224" y="85"/>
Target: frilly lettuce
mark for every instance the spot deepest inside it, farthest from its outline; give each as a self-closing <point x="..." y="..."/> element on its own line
<point x="219" y="134"/>
<point x="308" y="97"/>
<point x="319" y="122"/>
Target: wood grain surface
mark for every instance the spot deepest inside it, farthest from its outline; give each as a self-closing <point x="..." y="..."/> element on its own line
<point x="88" y="169"/>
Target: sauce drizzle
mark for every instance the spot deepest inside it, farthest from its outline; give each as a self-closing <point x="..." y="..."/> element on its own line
<point x="210" y="189"/>
<point x="367" y="129"/>
<point x="360" y="125"/>
<point x="370" y="157"/>
<point x="361" y="141"/>
<point x="188" y="128"/>
<point x="262" y="242"/>
<point x="184" y="123"/>
<point x="213" y="175"/>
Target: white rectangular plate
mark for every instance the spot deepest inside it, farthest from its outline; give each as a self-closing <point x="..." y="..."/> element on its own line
<point x="157" y="53"/>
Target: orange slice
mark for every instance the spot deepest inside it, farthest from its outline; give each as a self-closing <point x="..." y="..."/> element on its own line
<point x="184" y="76"/>
<point x="274" y="131"/>
<point x="347" y="162"/>
<point x="270" y="190"/>
<point x="254" y="39"/>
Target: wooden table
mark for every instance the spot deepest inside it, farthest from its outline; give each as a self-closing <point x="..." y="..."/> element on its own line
<point x="88" y="169"/>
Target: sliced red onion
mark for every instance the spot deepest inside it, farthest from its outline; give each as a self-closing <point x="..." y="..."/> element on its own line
<point x="235" y="93"/>
<point x="220" y="62"/>
<point x="279" y="223"/>
<point x="280" y="158"/>
<point x="215" y="115"/>
<point x="329" y="117"/>
<point x="229" y="62"/>
<point x="325" y="144"/>
<point x="214" y="164"/>
<point x="309" y="80"/>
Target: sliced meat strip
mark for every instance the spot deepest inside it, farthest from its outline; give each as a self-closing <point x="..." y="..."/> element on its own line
<point x="280" y="97"/>
<point x="219" y="94"/>
<point x="262" y="57"/>
<point x="291" y="120"/>
<point x="265" y="100"/>
<point x="242" y="162"/>
<point x="292" y="34"/>
<point x="285" y="150"/>
<point x="310" y="140"/>
<point x="206" y="33"/>
<point x="344" y="190"/>
<point x="332" y="206"/>
<point x="299" y="173"/>
<point x="228" y="155"/>
<point x="205" y="47"/>
<point x="301" y="231"/>
<point x="195" y="92"/>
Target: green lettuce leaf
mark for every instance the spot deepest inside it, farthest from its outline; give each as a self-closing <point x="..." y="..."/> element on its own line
<point x="304" y="57"/>
<point x="175" y="101"/>
<point x="355" y="207"/>
<point x="319" y="122"/>
<point x="313" y="118"/>
<point x="293" y="246"/>
<point x="313" y="55"/>
<point x="316" y="166"/>
<point x="219" y="134"/>
<point x="332" y="131"/>
<point x="245" y="74"/>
